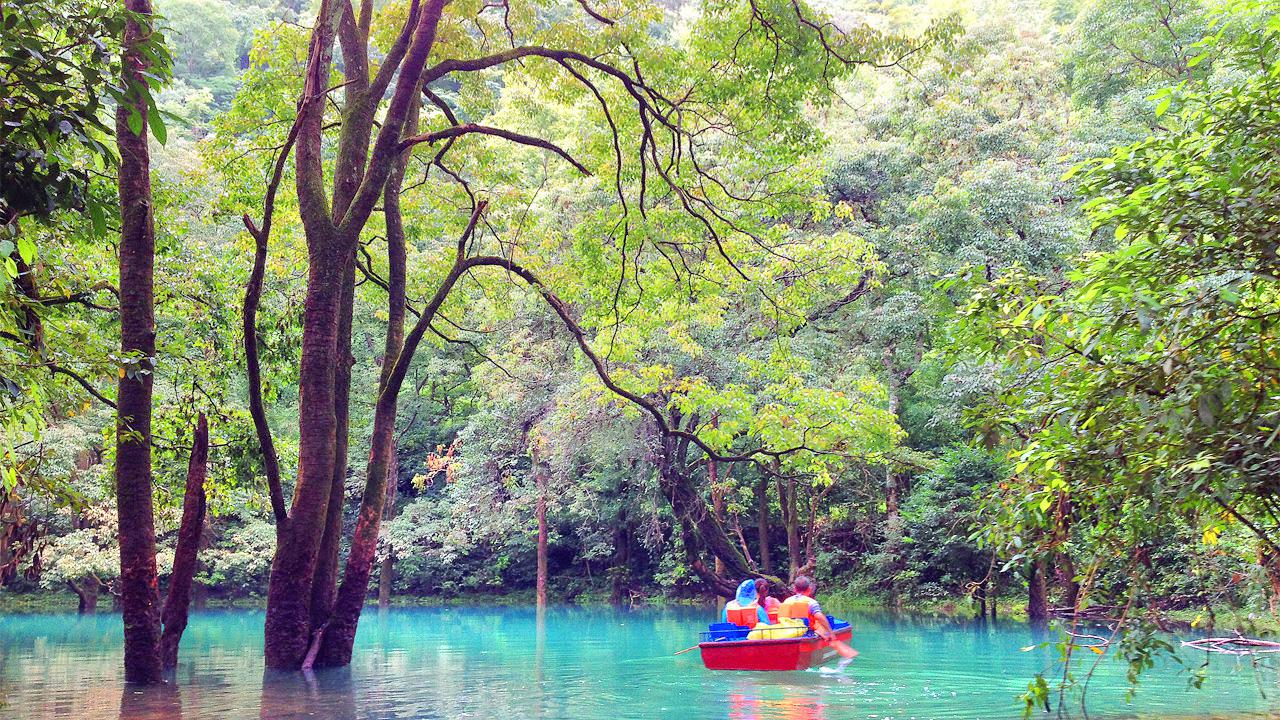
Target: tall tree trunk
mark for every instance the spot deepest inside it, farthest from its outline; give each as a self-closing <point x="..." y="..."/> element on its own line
<point x="622" y="559"/>
<point x="762" y="524"/>
<point x="138" y="577"/>
<point x="542" y="538"/>
<point x="1066" y="570"/>
<point x="790" y="517"/>
<point x="717" y="496"/>
<point x="386" y="573"/>
<point x="287" y="629"/>
<point x="178" y="600"/>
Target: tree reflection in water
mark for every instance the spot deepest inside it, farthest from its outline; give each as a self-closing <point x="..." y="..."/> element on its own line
<point x="328" y="694"/>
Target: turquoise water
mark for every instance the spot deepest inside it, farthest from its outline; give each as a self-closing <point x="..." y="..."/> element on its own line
<point x="578" y="664"/>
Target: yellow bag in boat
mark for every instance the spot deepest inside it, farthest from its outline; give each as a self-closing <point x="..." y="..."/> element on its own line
<point x="785" y="628"/>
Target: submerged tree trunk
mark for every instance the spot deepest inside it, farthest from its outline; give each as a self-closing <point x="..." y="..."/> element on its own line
<point x="332" y="231"/>
<point x="288" y="622"/>
<point x="339" y="634"/>
<point x="178" y="600"/>
<point x="87" y="593"/>
<point x="138" y="578"/>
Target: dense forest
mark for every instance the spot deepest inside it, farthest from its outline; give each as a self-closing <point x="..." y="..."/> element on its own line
<point x="969" y="305"/>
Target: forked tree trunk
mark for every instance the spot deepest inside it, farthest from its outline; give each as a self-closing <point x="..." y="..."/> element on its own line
<point x="87" y="593"/>
<point x="339" y="634"/>
<point x="699" y="530"/>
<point x="287" y="629"/>
<point x="138" y="578"/>
<point x="331" y="239"/>
<point x="288" y="623"/>
<point x="178" y="599"/>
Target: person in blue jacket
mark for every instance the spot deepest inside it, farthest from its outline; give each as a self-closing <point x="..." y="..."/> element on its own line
<point x="745" y="610"/>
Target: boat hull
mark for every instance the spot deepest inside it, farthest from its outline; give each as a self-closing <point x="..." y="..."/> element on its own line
<point x="771" y="655"/>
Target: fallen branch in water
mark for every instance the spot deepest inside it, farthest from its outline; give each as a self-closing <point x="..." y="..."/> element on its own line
<point x="1238" y="645"/>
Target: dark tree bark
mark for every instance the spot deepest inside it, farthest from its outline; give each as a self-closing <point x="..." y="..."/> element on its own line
<point x="139" y="593"/>
<point x="178" y="599"/>
<point x="288" y="623"/>
<point x="622" y="559"/>
<point x="1037" y="593"/>
<point x="699" y="530"/>
<point x="1065" y="567"/>
<point x="325" y="585"/>
<point x="386" y="572"/>
<point x="87" y="593"/>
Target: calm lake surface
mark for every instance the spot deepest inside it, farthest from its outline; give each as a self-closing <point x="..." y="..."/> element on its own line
<point x="578" y="664"/>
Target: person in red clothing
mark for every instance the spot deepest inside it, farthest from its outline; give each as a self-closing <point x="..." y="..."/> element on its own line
<point x="770" y="604"/>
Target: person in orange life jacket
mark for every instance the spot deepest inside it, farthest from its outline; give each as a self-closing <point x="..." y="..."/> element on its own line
<point x="802" y="606"/>
<point x="770" y="604"/>
<point x="743" y="610"/>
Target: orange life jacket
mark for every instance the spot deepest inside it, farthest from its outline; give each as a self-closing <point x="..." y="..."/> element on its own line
<point x="742" y="615"/>
<point x="772" y="609"/>
<point x="799" y="607"/>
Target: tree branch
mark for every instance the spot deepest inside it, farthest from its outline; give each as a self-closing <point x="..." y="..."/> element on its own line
<point x="471" y="128"/>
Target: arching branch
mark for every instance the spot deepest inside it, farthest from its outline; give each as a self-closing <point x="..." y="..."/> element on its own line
<point x="473" y="129"/>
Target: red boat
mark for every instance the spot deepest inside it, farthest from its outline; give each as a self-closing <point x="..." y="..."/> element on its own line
<point x="726" y="647"/>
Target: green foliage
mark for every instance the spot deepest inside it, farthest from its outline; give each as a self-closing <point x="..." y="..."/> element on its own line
<point x="942" y="507"/>
<point x="1150" y="369"/>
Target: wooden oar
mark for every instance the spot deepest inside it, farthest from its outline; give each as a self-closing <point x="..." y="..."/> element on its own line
<point x="695" y="647"/>
<point x="841" y="646"/>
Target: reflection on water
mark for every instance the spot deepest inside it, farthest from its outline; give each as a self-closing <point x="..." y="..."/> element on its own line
<point x="595" y="664"/>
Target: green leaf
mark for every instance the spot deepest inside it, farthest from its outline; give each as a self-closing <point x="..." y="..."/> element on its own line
<point x="157" y="126"/>
<point x="26" y="249"/>
<point x="135" y="121"/>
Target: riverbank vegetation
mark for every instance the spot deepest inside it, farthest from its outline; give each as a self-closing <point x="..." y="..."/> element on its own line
<point x="624" y="301"/>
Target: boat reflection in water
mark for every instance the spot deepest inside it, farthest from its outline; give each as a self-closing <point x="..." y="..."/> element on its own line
<point x="750" y="701"/>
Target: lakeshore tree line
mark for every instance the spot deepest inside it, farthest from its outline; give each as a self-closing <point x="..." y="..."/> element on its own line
<point x="311" y="303"/>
